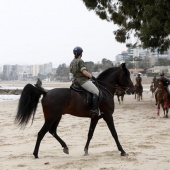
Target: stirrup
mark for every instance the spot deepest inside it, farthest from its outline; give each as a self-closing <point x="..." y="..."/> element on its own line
<point x="96" y="113"/>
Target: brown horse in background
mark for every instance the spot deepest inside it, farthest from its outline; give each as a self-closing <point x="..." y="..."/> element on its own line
<point x="162" y="99"/>
<point x="120" y="94"/>
<point x="138" y="90"/>
<point x="152" y="89"/>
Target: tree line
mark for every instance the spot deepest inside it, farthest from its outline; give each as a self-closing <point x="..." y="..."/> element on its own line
<point x="62" y="72"/>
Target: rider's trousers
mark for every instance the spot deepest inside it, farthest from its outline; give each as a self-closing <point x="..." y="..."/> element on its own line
<point x="89" y="86"/>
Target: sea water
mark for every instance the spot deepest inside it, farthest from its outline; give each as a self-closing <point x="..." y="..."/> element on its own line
<point x="11" y="97"/>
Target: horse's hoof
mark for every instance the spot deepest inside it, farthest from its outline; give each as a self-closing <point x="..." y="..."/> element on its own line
<point x="86" y="152"/>
<point x="36" y="156"/>
<point x="123" y="154"/>
<point x="65" y="150"/>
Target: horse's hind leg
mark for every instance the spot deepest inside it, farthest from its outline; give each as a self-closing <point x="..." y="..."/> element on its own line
<point x="122" y="99"/>
<point x="53" y="132"/>
<point x="166" y="113"/>
<point x="166" y="109"/>
<point x="118" y="99"/>
<point x="110" y="123"/>
<point x="40" y="136"/>
<point x="92" y="127"/>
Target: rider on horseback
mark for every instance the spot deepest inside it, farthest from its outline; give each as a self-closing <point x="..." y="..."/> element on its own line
<point x="155" y="81"/>
<point x="165" y="82"/>
<point x="84" y="78"/>
<point x="138" y="78"/>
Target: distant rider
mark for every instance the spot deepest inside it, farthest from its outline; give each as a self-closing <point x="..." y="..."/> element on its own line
<point x="154" y="81"/>
<point x="138" y="78"/>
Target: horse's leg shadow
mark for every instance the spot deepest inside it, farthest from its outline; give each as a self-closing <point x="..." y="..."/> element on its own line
<point x="92" y="127"/>
<point x="53" y="132"/>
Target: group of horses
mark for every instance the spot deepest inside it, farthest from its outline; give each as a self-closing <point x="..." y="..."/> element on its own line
<point x="60" y="101"/>
<point x="161" y="97"/>
<point x="138" y="90"/>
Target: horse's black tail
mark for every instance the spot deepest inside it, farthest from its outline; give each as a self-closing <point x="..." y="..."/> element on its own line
<point x="28" y="104"/>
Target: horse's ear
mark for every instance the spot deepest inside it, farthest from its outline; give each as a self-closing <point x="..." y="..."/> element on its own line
<point x="123" y="66"/>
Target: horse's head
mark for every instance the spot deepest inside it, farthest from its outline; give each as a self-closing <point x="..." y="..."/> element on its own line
<point x="124" y="79"/>
<point x="160" y="85"/>
<point x="118" y="76"/>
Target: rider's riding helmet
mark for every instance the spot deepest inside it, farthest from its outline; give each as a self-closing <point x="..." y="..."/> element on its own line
<point x="77" y="51"/>
<point x="162" y="74"/>
<point x="139" y="74"/>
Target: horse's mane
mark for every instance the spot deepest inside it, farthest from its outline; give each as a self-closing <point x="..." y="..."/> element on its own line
<point x="108" y="71"/>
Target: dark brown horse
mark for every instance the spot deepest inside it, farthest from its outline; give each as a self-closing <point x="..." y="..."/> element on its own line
<point x="152" y="89"/>
<point x="120" y="94"/>
<point x="138" y="90"/>
<point x="162" y="99"/>
<point x="60" y="101"/>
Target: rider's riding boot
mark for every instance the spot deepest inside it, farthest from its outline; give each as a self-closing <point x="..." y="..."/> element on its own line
<point x="95" y="109"/>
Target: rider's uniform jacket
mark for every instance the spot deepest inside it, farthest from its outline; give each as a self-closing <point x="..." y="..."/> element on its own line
<point x="76" y="67"/>
<point x="165" y="81"/>
<point x="139" y="79"/>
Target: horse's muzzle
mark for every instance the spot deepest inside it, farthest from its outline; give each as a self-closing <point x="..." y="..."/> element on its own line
<point x="132" y="89"/>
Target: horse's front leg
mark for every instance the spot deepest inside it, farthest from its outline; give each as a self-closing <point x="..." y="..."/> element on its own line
<point x="158" y="109"/>
<point x="122" y="99"/>
<point x="166" y="113"/>
<point x="110" y="123"/>
<point x="92" y="127"/>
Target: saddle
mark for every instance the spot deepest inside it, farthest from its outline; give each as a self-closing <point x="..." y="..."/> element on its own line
<point x="76" y="87"/>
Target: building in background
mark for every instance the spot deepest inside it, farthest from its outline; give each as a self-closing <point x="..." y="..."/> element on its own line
<point x="121" y="57"/>
<point x="25" y="72"/>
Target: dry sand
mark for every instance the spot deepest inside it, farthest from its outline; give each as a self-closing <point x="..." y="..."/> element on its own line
<point x="143" y="135"/>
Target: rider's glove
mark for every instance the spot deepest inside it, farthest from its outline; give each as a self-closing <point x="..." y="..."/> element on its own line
<point x="93" y="79"/>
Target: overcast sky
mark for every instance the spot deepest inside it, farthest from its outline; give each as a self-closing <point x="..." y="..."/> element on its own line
<point x="42" y="31"/>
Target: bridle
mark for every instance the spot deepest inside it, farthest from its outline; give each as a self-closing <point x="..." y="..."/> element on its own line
<point x="114" y="86"/>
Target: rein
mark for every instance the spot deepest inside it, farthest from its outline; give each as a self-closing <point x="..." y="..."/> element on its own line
<point x="125" y="89"/>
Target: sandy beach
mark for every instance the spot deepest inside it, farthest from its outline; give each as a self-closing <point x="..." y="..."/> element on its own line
<point x="144" y="136"/>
